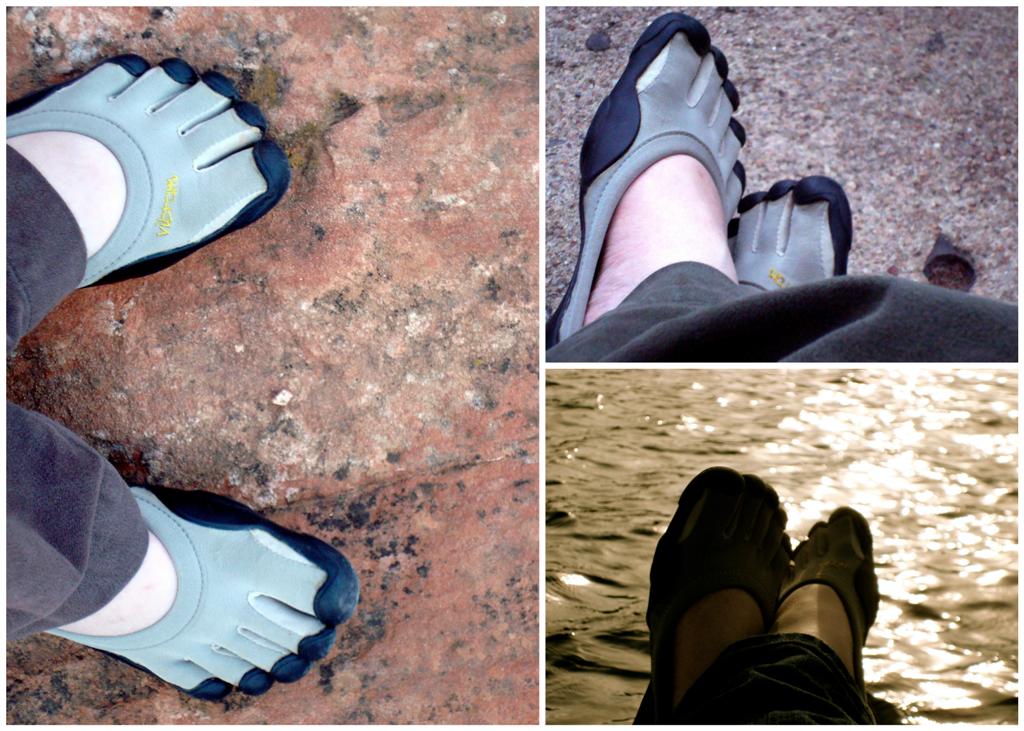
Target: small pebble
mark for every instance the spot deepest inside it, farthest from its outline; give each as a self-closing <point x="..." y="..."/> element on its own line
<point x="599" y="41"/>
<point x="283" y="397"/>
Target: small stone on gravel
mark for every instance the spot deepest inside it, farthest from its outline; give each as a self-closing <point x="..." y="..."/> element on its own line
<point x="599" y="41"/>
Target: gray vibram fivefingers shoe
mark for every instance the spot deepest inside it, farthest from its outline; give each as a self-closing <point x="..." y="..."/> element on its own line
<point x="839" y="554"/>
<point x="674" y="98"/>
<point x="195" y="161"/>
<point x="729" y="531"/>
<point x="256" y="602"/>
<point x="795" y="233"/>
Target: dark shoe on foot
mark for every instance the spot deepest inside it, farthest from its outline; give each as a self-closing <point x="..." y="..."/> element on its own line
<point x="795" y="233"/>
<point x="838" y="554"/>
<point x="728" y="532"/>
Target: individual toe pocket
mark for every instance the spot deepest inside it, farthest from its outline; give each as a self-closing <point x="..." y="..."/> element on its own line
<point x="211" y="689"/>
<point x="255" y="682"/>
<point x="284" y="616"/>
<point x="225" y="189"/>
<point x="150" y="91"/>
<point x="704" y="87"/>
<point x="279" y="623"/>
<point x="196" y="104"/>
<point x="315" y="647"/>
<point x="224" y="664"/>
<point x="214" y="139"/>
<point x="185" y="674"/>
<point x="221" y="84"/>
<point x="179" y="71"/>
<point x="255" y="649"/>
<point x="290" y="668"/>
<point x="108" y="79"/>
<point x="775" y="225"/>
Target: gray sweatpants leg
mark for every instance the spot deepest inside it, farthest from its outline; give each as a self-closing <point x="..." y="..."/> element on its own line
<point x="74" y="533"/>
<point x="691" y="312"/>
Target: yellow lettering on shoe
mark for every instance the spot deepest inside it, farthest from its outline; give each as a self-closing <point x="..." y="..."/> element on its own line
<point x="777" y="277"/>
<point x="163" y="224"/>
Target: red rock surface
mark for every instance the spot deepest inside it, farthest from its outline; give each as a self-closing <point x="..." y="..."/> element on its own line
<point x="392" y="294"/>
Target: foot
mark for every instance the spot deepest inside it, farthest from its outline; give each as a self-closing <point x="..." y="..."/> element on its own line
<point x="192" y="155"/>
<point x="85" y="174"/>
<point x="796" y="233"/>
<point x="725" y="549"/>
<point x="833" y="591"/>
<point x="671" y="213"/>
<point x="255" y="602"/>
<point x="144" y="600"/>
<point x="673" y="99"/>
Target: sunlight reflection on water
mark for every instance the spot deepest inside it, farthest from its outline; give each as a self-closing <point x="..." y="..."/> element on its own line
<point x="928" y="456"/>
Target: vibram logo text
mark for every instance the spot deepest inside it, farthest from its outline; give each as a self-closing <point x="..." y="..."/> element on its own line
<point x="777" y="277"/>
<point x="163" y="224"/>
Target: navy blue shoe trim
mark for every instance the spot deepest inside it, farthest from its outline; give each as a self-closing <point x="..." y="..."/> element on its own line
<point x="721" y="62"/>
<point x="335" y="601"/>
<point x="180" y="71"/>
<point x="617" y="120"/>
<point x="813" y="189"/>
<point x="221" y="84"/>
<point x="731" y="94"/>
<point x="741" y="173"/>
<point x="135" y="65"/>
<point x="315" y="647"/>
<point x="738" y="130"/>
<point x="255" y="682"/>
<point x="290" y="668"/>
<point x="272" y="164"/>
<point x="211" y="689"/>
<point x="251" y="115"/>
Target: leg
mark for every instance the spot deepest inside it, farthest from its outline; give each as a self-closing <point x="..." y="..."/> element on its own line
<point x="691" y="312"/>
<point x="71" y="519"/>
<point x="791" y="679"/>
<point x="45" y="251"/>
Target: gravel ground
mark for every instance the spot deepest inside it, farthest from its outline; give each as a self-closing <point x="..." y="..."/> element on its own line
<point x="913" y="110"/>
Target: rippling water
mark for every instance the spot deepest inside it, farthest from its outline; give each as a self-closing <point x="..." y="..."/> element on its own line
<point x="928" y="456"/>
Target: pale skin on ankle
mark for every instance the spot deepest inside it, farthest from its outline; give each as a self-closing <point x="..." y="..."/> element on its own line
<point x="816" y="609"/>
<point x="721" y="618"/>
<point x="144" y="600"/>
<point x="671" y="213"/>
<point x="85" y="174"/>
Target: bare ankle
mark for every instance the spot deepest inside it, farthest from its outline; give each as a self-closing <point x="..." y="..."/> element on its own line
<point x="85" y="174"/>
<point x="144" y="600"/>
<point x="816" y="610"/>
<point x="672" y="213"/>
<point x="707" y="628"/>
